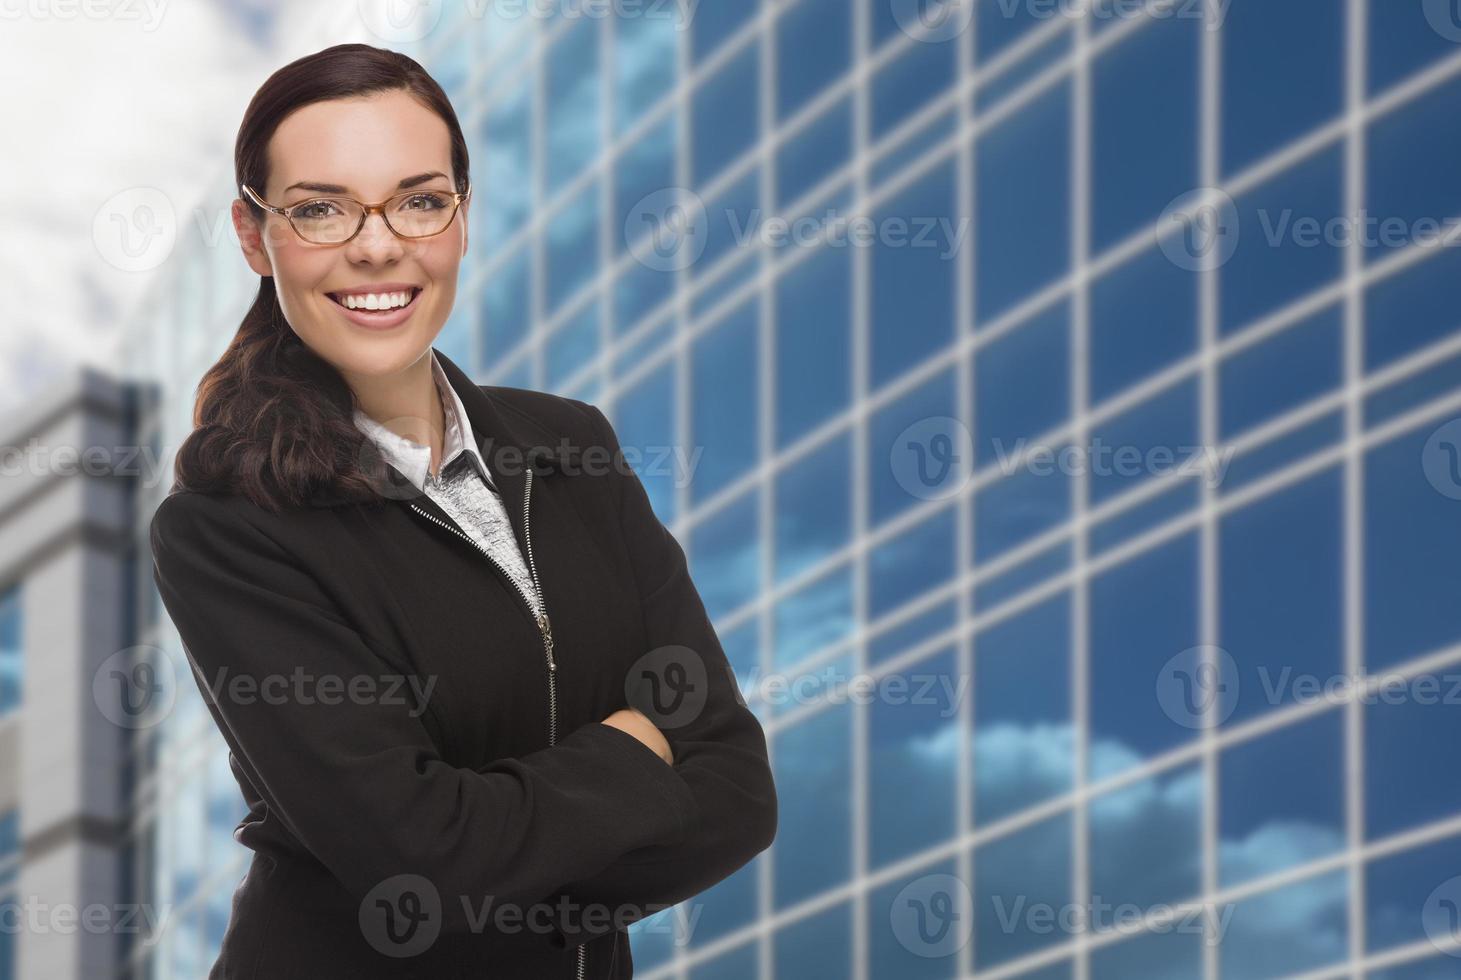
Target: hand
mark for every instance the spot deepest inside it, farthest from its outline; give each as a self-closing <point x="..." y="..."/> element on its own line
<point x="637" y="723"/>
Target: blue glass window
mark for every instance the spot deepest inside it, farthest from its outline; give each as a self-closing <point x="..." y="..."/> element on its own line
<point x="506" y="308"/>
<point x="913" y="274"/>
<point x="1286" y="244"/>
<point x="927" y="897"/>
<point x="1281" y="799"/>
<point x="574" y="345"/>
<point x="814" y="507"/>
<point x="813" y="618"/>
<point x="808" y="157"/>
<point x="737" y="964"/>
<point x="644" y="421"/>
<point x="725" y="114"/>
<point x="1023" y="737"/>
<point x="818" y="945"/>
<point x="732" y="219"/>
<point x="1293" y="929"/>
<point x="1023" y="204"/>
<point x="1413" y="308"/>
<point x="725" y="405"/>
<point x="1300" y="363"/>
<point x="898" y="471"/>
<point x="1166" y="955"/>
<point x="1150" y="440"/>
<point x="1002" y="23"/>
<point x="1408" y="172"/>
<point x="725" y="556"/>
<point x="902" y="636"/>
<point x="644" y="56"/>
<point x="573" y="246"/>
<point x="1283" y="75"/>
<point x="1406" y="37"/>
<point x="1412" y="578"/>
<point x="1144" y="132"/>
<point x="1411" y="735"/>
<point x="1143" y="319"/>
<point x="913" y="754"/>
<point x="714" y="23"/>
<point x="814" y="48"/>
<point x="813" y="343"/>
<point x="646" y="166"/>
<point x="1143" y="612"/>
<point x="1028" y="867"/>
<point x="505" y="156"/>
<point x="572" y="81"/>
<point x="910" y="82"/>
<point x="1013" y="509"/>
<point x="639" y="290"/>
<point x="913" y="564"/>
<point x="1146" y="841"/>
<point x="1282" y="589"/>
<point x="1022" y="384"/>
<point x="1398" y="888"/>
<point x="813" y="774"/>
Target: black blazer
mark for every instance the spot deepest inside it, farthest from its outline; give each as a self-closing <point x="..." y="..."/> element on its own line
<point x="426" y="796"/>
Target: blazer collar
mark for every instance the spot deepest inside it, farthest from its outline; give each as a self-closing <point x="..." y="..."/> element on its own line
<point x="414" y="460"/>
<point x="510" y="442"/>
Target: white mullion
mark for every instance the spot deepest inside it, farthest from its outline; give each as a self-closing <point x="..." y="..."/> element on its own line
<point x="1353" y="519"/>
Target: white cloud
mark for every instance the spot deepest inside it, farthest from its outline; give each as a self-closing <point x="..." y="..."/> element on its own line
<point x="150" y="96"/>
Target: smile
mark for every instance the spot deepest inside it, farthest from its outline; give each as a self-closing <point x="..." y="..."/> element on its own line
<point x="377" y="311"/>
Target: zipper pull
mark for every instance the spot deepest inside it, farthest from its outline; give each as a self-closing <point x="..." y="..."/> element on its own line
<point x="547" y="628"/>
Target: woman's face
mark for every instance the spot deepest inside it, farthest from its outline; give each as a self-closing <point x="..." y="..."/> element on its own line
<point x="366" y="148"/>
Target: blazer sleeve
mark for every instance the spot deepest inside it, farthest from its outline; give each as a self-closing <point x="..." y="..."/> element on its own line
<point x="359" y="781"/>
<point x="720" y="755"/>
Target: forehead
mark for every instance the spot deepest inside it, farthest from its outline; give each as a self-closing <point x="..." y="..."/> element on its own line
<point x="365" y="144"/>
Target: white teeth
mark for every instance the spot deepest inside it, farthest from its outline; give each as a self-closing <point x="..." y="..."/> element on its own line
<point x="376" y="301"/>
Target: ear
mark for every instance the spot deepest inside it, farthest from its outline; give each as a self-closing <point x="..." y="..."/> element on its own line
<point x="250" y="238"/>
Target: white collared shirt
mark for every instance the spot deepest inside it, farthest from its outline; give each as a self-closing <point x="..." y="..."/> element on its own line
<point x="463" y="486"/>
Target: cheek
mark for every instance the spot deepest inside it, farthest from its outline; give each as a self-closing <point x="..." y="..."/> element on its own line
<point x="299" y="274"/>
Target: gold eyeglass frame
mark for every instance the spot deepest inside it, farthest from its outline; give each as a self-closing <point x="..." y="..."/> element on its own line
<point x="366" y="211"/>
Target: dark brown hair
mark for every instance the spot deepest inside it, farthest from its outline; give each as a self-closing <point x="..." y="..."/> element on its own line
<point x="272" y="419"/>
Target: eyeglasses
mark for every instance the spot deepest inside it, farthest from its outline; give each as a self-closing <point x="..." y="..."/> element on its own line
<point x="336" y="220"/>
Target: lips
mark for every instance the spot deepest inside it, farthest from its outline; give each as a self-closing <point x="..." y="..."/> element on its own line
<point x="380" y="319"/>
<point x="413" y="290"/>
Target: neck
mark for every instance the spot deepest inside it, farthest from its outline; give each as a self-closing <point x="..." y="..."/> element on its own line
<point x="405" y="402"/>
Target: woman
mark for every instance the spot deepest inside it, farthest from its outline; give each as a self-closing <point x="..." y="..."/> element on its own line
<point x="473" y="701"/>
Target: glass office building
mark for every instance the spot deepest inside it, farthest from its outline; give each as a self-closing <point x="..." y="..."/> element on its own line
<point x="1062" y="412"/>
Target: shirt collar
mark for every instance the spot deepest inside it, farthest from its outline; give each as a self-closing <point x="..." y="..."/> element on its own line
<point x="414" y="459"/>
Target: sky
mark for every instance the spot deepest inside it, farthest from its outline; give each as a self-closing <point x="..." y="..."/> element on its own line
<point x="106" y="97"/>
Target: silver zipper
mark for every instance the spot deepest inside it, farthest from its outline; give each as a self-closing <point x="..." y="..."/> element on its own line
<point x="545" y="626"/>
<point x="547" y="629"/>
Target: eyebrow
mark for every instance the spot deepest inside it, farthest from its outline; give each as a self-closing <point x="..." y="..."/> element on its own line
<point x="321" y="188"/>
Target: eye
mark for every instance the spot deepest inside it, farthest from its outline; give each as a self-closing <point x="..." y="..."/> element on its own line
<point x="425" y="201"/>
<point x="315" y="209"/>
